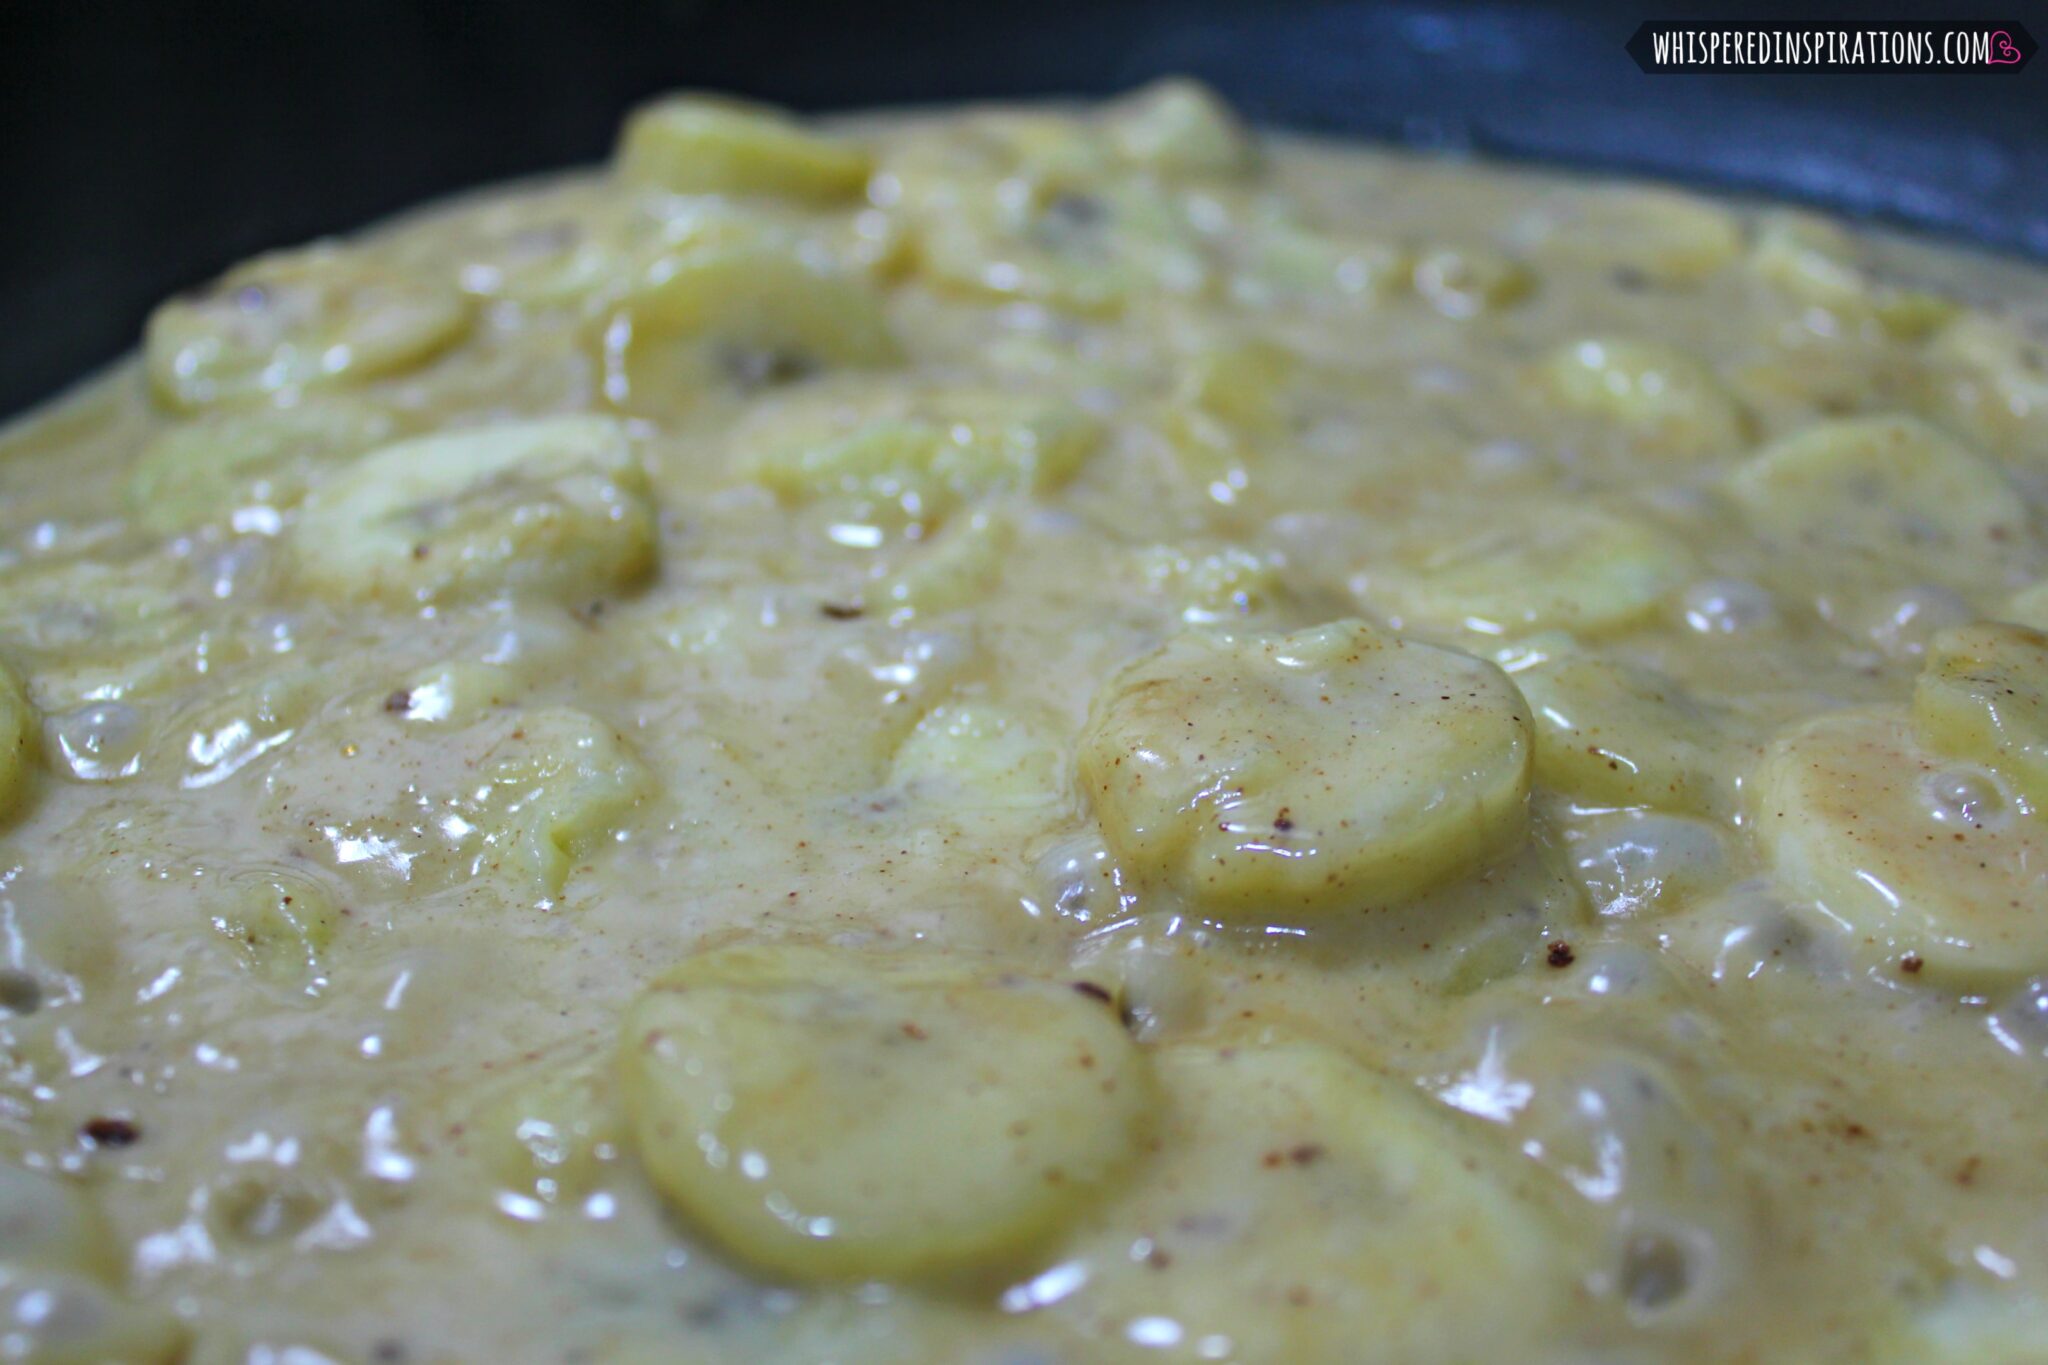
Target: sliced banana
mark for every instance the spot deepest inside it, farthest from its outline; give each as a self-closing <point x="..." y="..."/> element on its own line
<point x="20" y="729"/>
<point x="979" y="755"/>
<point x="1659" y="236"/>
<point x="958" y="568"/>
<point x="752" y="313"/>
<point x="283" y="919"/>
<point x="556" y="506"/>
<point x="925" y="458"/>
<point x="1565" y="566"/>
<point x="1664" y="400"/>
<point x="1982" y="696"/>
<point x="1613" y="733"/>
<point x="247" y="467"/>
<point x="839" y="1114"/>
<point x="1179" y="127"/>
<point x="1316" y="268"/>
<point x="1306" y="1207"/>
<point x="1917" y="858"/>
<point x="1080" y="238"/>
<point x="1267" y="777"/>
<point x="1993" y="376"/>
<point x="307" y="319"/>
<point x="551" y="1133"/>
<point x="707" y="144"/>
<point x="556" y="784"/>
<point x="1889" y="490"/>
<point x="1817" y="263"/>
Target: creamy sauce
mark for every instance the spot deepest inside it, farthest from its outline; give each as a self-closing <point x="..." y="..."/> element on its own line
<point x="1022" y="736"/>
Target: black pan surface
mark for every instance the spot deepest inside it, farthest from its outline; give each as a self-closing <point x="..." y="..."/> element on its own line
<point x="143" y="148"/>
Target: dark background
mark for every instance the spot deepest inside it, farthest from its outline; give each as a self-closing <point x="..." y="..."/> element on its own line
<point x="143" y="148"/>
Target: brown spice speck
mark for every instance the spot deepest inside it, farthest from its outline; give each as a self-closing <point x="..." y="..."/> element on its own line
<point x="103" y="1131"/>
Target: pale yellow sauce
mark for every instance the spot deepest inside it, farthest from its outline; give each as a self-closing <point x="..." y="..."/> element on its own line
<point x="1105" y="743"/>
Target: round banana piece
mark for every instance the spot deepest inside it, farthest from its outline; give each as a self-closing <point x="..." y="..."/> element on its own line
<point x="923" y="459"/>
<point x="247" y="467"/>
<point x="743" y="312"/>
<point x="1995" y="373"/>
<point x="555" y="506"/>
<point x="1565" y="567"/>
<point x="20" y="729"/>
<point x="707" y="144"/>
<point x="1315" y="1209"/>
<point x="1656" y="236"/>
<point x="1982" y="696"/>
<point x="838" y="1114"/>
<point x="1665" y="401"/>
<point x="307" y="319"/>
<point x="1272" y="777"/>
<point x="1889" y="490"/>
<point x="979" y="755"/>
<point x="1612" y="733"/>
<point x="1923" y="862"/>
<point x="1816" y="263"/>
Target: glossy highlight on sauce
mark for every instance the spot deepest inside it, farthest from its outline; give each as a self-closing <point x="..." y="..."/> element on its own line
<point x="1035" y="735"/>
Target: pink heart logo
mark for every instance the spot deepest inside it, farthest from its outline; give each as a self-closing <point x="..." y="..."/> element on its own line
<point x="2002" y="52"/>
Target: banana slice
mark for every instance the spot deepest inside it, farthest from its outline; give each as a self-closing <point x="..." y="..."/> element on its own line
<point x="1920" y="860"/>
<point x="551" y="788"/>
<point x="1665" y="401"/>
<point x="556" y="506"/>
<point x="1276" y="776"/>
<point x="1659" y="236"/>
<point x="1612" y="733"/>
<point x="837" y="1114"/>
<point x="247" y="468"/>
<point x="282" y="918"/>
<point x="307" y="319"/>
<point x="1565" y="567"/>
<point x="1982" y="696"/>
<point x="1817" y="263"/>
<point x="20" y="729"/>
<point x="957" y="569"/>
<point x="979" y="755"/>
<point x="1994" y="373"/>
<point x="1316" y="268"/>
<point x="550" y="1135"/>
<point x="1179" y="127"/>
<point x="1303" y="1207"/>
<point x="748" y="313"/>
<point x="1889" y="490"/>
<point x="923" y="459"/>
<point x="707" y="144"/>
<point x="1077" y="237"/>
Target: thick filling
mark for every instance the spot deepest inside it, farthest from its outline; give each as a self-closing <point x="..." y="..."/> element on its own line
<point x="1034" y="736"/>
